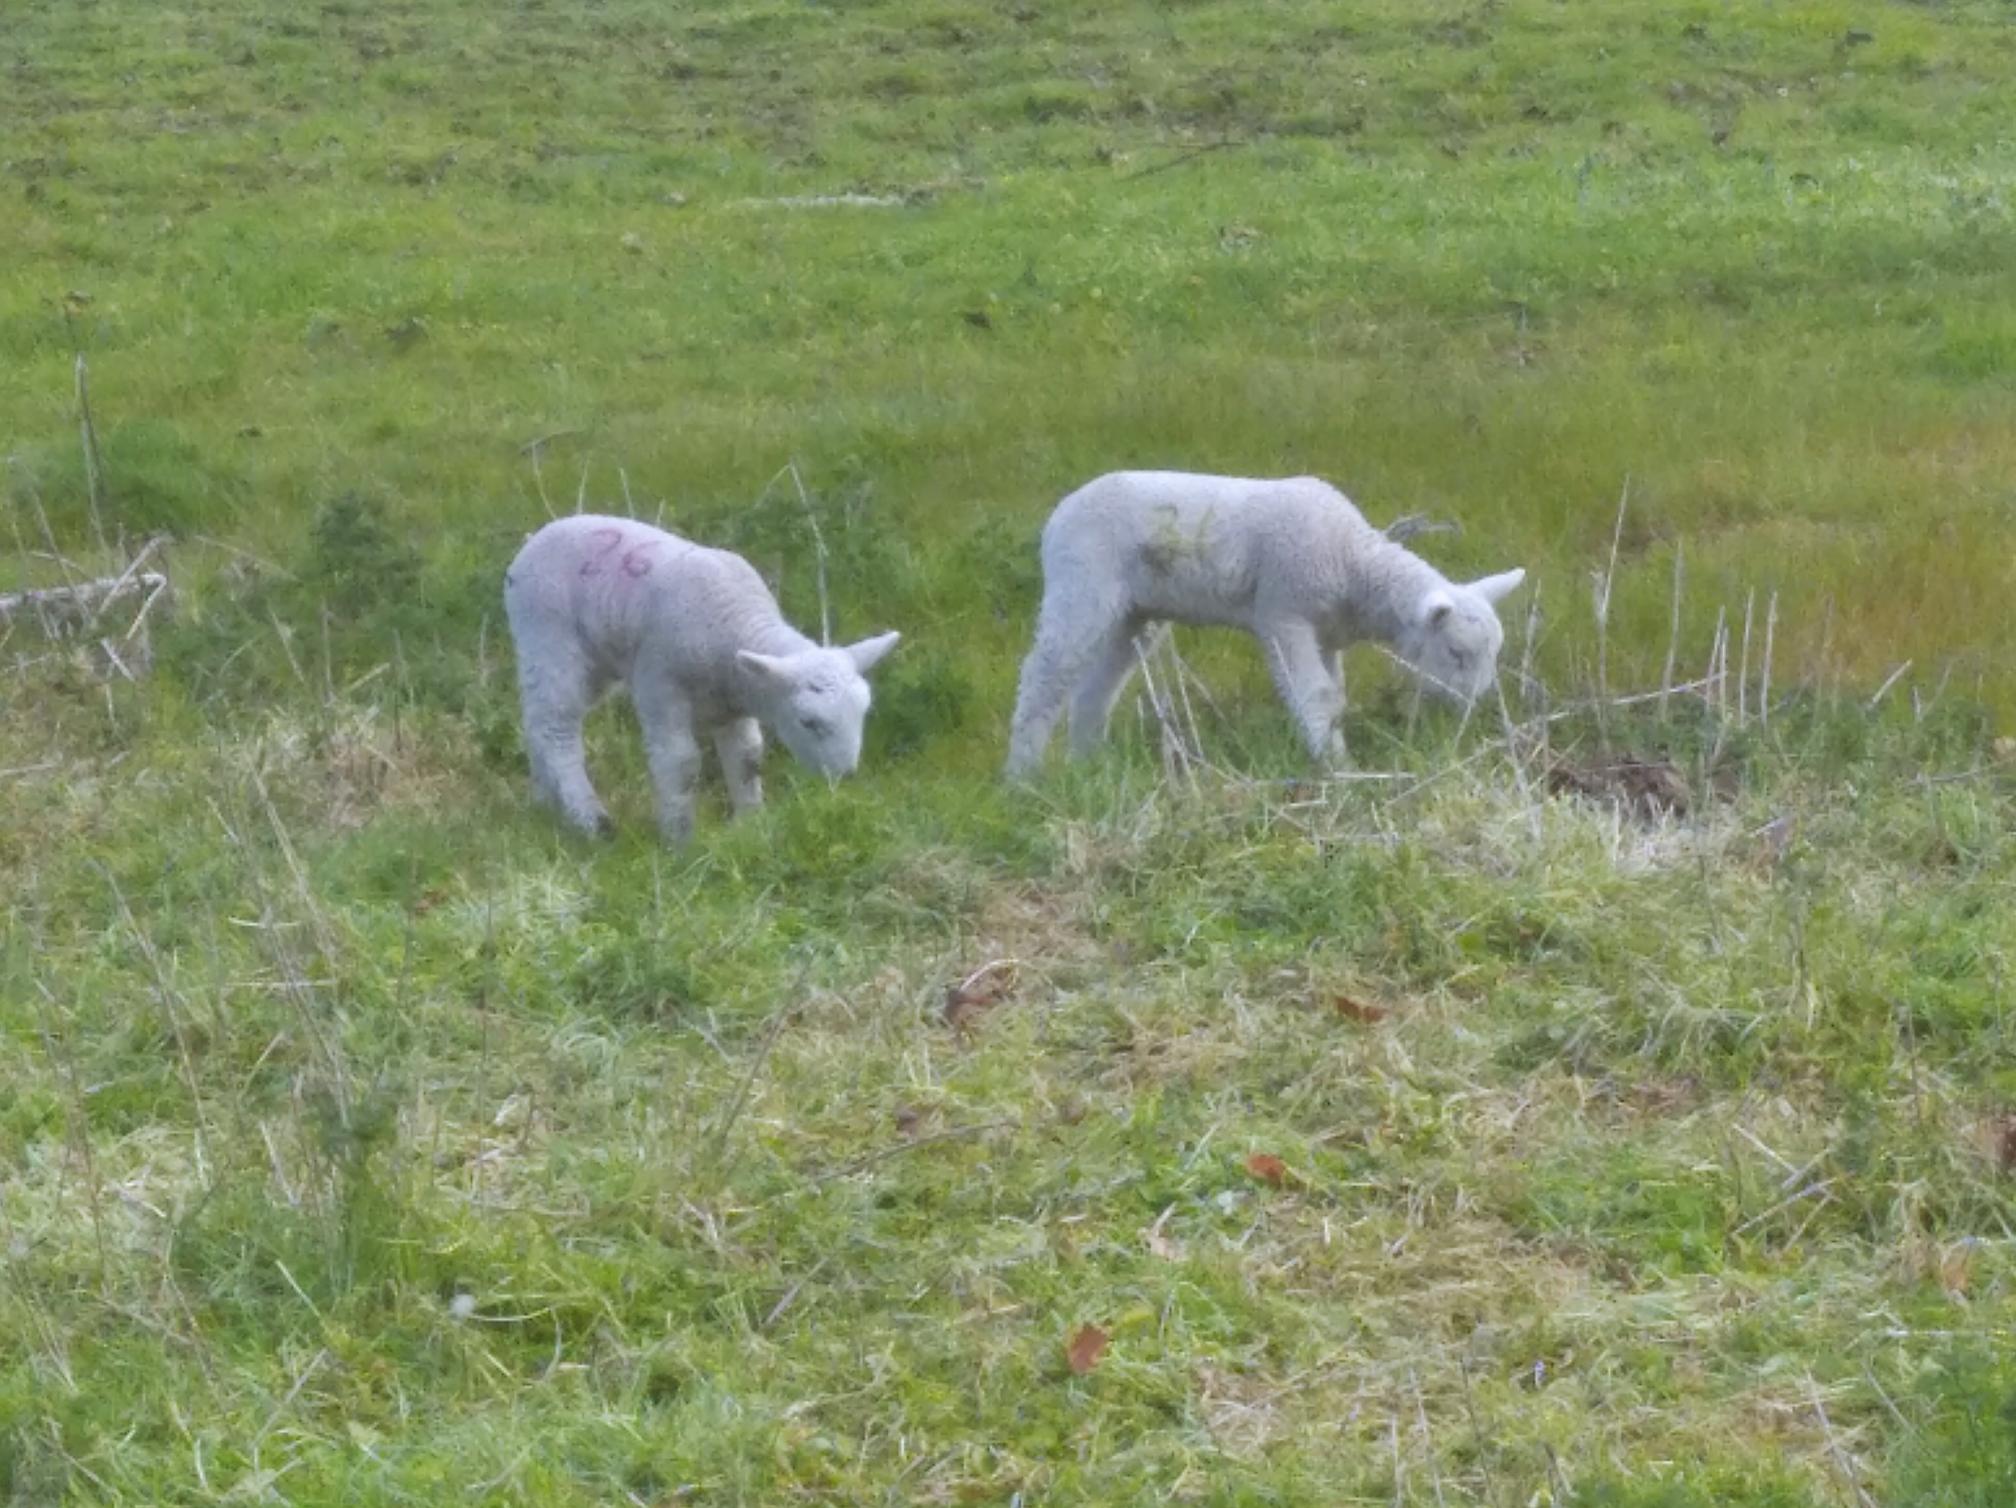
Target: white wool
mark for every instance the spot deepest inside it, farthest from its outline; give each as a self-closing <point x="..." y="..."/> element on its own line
<point x="1289" y="560"/>
<point x="696" y="638"/>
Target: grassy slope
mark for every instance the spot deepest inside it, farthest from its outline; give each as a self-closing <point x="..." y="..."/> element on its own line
<point x="1664" y="1182"/>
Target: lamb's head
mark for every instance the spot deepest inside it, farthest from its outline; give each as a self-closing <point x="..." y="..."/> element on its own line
<point x="1453" y="638"/>
<point x="816" y="700"/>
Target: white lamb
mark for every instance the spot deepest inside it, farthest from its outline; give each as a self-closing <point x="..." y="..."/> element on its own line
<point x="1290" y="560"/>
<point x="698" y="641"/>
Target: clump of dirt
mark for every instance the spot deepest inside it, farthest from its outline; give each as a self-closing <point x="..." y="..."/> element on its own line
<point x="1648" y="789"/>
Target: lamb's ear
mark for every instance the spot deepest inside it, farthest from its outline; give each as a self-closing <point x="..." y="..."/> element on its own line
<point x="767" y="670"/>
<point x="1494" y="588"/>
<point x="869" y="652"/>
<point x="1436" y="608"/>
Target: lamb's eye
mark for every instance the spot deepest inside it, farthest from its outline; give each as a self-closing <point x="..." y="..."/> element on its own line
<point x="818" y="727"/>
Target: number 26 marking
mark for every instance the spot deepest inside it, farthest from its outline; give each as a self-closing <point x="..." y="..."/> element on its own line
<point x="635" y="562"/>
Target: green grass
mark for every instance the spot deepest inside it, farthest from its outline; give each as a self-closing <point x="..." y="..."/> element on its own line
<point x="365" y="1139"/>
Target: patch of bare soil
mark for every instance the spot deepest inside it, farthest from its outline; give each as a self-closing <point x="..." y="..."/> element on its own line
<point x="1647" y="789"/>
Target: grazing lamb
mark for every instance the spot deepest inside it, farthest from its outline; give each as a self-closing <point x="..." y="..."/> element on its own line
<point x="697" y="639"/>
<point x="1289" y="560"/>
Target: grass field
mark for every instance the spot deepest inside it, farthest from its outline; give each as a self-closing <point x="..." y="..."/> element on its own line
<point x="1448" y="1137"/>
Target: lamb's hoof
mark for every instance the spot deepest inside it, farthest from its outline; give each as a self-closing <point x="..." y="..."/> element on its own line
<point x="604" y="826"/>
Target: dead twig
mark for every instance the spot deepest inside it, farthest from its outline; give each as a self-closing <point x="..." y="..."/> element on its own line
<point x="736" y="1105"/>
<point x="819" y="552"/>
<point x="538" y="443"/>
<point x="84" y="601"/>
<point x="1178" y="161"/>
<point x="1888" y="681"/>
<point x="1673" y="636"/>
<point x="955" y="1133"/>
<point x="94" y="462"/>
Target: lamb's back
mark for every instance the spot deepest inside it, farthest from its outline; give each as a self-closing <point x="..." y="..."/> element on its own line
<point x="1200" y="547"/>
<point x="617" y="583"/>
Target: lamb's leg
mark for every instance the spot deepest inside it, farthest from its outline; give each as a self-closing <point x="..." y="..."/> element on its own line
<point x="555" y="692"/>
<point x="1066" y="645"/>
<point x="740" y="747"/>
<point x="672" y="752"/>
<point x="1092" y="703"/>
<point x="1297" y="661"/>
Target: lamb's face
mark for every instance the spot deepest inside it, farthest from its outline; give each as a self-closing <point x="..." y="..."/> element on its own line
<point x="1455" y="637"/>
<point x="816" y="702"/>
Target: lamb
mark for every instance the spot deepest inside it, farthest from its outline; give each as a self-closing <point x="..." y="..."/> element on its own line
<point x="697" y="640"/>
<point x="1288" y="559"/>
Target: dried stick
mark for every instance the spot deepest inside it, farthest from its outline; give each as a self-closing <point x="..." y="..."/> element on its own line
<point x="1673" y="634"/>
<point x="86" y="601"/>
<point x="735" y="1106"/>
<point x="1603" y="590"/>
<point x="1743" y="662"/>
<point x="1530" y="637"/>
<point x="1770" y="638"/>
<point x="165" y="993"/>
<point x="94" y="463"/>
<point x="819" y="552"/>
<point x="539" y="479"/>
<point x="1888" y="681"/>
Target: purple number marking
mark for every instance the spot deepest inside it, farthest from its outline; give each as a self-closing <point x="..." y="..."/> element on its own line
<point x="611" y="539"/>
<point x="637" y="559"/>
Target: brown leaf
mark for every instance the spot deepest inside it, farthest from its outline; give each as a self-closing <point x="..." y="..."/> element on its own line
<point x="1086" y="1346"/>
<point x="984" y="988"/>
<point x="1956" y="1267"/>
<point x="1268" y="1168"/>
<point x="2005" y="1143"/>
<point x="1353" y="1009"/>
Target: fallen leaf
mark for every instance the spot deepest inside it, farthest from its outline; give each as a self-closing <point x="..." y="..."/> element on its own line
<point x="2005" y="1143"/>
<point x="1161" y="1246"/>
<point x="1353" y="1009"/>
<point x="1087" y="1345"/>
<point x="1268" y="1168"/>
<point x="985" y="987"/>
<point x="1775" y="840"/>
<point x="1956" y="1268"/>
